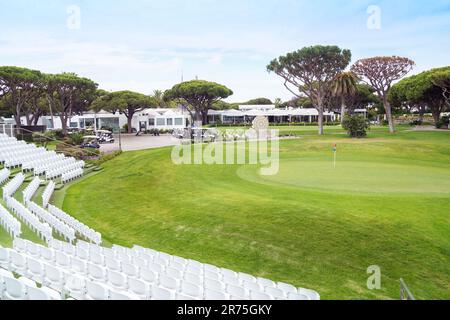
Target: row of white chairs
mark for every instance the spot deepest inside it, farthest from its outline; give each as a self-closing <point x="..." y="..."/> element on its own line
<point x="14" y="153"/>
<point x="57" y="225"/>
<point x="4" y="175"/>
<point x="23" y="289"/>
<point x="71" y="175"/>
<point x="48" y="192"/>
<point x="31" y="189"/>
<point x="64" y="169"/>
<point x="12" y="186"/>
<point x="43" y="230"/>
<point x="83" y="230"/>
<point x="188" y="279"/>
<point x="68" y="282"/>
<point x="10" y="223"/>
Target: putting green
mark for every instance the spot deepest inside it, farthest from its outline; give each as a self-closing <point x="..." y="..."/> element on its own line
<point x="355" y="176"/>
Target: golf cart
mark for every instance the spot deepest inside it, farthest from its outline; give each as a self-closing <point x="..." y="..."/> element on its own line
<point x="104" y="136"/>
<point x="197" y="134"/>
<point x="90" y="142"/>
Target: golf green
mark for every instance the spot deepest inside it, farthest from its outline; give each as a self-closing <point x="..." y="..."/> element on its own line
<point x="355" y="176"/>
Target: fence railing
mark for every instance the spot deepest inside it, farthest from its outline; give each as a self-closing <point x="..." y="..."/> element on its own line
<point x="405" y="294"/>
<point x="7" y="129"/>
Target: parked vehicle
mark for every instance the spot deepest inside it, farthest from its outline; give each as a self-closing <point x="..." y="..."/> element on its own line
<point x="90" y="142"/>
<point x="105" y="136"/>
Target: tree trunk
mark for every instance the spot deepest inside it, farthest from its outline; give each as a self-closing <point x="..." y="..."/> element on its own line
<point x="205" y="118"/>
<point x="436" y="115"/>
<point x="343" y="109"/>
<point x="64" y="125"/>
<point x="388" y="109"/>
<point x="198" y="117"/>
<point x="320" y="120"/>
<point x="129" y="121"/>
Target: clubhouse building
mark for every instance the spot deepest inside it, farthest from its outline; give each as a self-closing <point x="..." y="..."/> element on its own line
<point x="168" y="119"/>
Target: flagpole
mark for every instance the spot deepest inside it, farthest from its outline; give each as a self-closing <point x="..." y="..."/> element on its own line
<point x="335" y="155"/>
<point x="334" y="163"/>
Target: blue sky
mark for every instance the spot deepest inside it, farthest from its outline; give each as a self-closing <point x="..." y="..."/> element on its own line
<point x="144" y="45"/>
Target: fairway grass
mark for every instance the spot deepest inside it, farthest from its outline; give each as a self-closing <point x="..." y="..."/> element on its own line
<point x="386" y="204"/>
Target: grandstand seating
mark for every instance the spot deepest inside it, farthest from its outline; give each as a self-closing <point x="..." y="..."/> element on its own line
<point x="57" y="225"/>
<point x="31" y="189"/>
<point x="87" y="271"/>
<point x="9" y="223"/>
<point x="47" y="194"/>
<point x="13" y="185"/>
<point x="43" y="230"/>
<point x="14" y="153"/>
<point x="83" y="230"/>
<point x="4" y="175"/>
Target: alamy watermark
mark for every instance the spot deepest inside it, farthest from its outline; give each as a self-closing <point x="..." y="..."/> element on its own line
<point x="374" y="20"/>
<point x="374" y="280"/>
<point x="231" y="147"/>
<point x="73" y="21"/>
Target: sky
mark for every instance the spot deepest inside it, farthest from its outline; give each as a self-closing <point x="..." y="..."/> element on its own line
<point x="145" y="45"/>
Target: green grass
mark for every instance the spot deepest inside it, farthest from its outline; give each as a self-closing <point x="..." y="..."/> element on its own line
<point x="386" y="204"/>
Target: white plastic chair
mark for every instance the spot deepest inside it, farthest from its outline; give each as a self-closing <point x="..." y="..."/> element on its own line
<point x="194" y="279"/>
<point x="79" y="265"/>
<point x="35" y="270"/>
<point x="75" y="286"/>
<point x="313" y="295"/>
<point x="161" y="294"/>
<point x="17" y="262"/>
<point x="114" y="295"/>
<point x="214" y="285"/>
<point x="169" y="282"/>
<point x="297" y="296"/>
<point x="20" y="245"/>
<point x="139" y="288"/>
<point x="82" y="253"/>
<point x="149" y="276"/>
<point x="253" y="286"/>
<point x="37" y="294"/>
<point x="237" y="291"/>
<point x="130" y="270"/>
<point x="117" y="280"/>
<point x="191" y="290"/>
<point x="33" y="249"/>
<point x="286" y="288"/>
<point x="266" y="282"/>
<point x="213" y="275"/>
<point x="96" y="258"/>
<point x="4" y="258"/>
<point x="47" y="254"/>
<point x="62" y="260"/>
<point x="14" y="289"/>
<point x="257" y="295"/>
<point x="215" y="295"/>
<point x="96" y="291"/>
<point x="113" y="264"/>
<point x="276" y="293"/>
<point x="54" y="277"/>
<point x="174" y="273"/>
<point x="96" y="273"/>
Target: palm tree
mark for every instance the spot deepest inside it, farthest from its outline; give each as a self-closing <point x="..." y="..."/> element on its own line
<point x="344" y="86"/>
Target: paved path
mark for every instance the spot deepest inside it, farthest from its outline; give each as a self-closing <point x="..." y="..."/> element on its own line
<point x="132" y="143"/>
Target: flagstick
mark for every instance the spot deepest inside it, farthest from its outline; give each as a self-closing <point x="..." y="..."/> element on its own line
<point x="334" y="163"/>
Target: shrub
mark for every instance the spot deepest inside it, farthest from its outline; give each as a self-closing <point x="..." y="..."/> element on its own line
<point x="443" y="123"/>
<point x="356" y="126"/>
<point x="76" y="139"/>
<point x="106" y="157"/>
